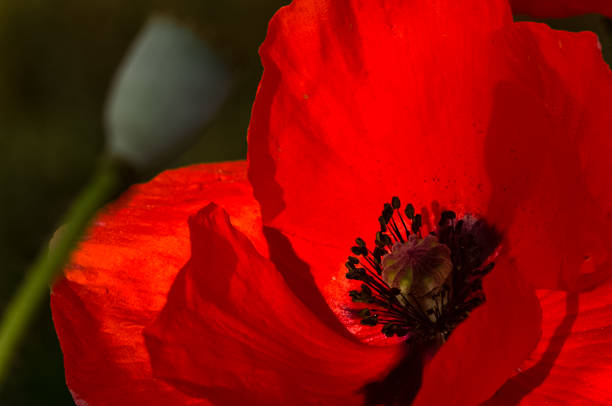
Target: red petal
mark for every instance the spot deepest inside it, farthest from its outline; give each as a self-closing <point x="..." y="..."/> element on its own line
<point x="572" y="364"/>
<point x="488" y="347"/>
<point x="548" y="156"/>
<point x="231" y="331"/>
<point x="561" y="8"/>
<point x="118" y="280"/>
<point x="361" y="101"/>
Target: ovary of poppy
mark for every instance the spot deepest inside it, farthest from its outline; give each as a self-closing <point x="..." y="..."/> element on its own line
<point x="449" y="105"/>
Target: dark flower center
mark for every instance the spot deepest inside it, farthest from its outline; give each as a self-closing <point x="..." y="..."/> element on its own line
<point x="421" y="287"/>
<point x="418" y="287"/>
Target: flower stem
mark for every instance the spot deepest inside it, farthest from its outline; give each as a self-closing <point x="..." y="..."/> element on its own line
<point x="106" y="182"/>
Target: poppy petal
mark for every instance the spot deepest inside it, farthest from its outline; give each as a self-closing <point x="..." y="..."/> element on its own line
<point x="231" y="330"/>
<point x="572" y="363"/>
<point x="548" y="158"/>
<point x="361" y="101"/>
<point x="511" y="128"/>
<point x="561" y="8"/>
<point x="489" y="346"/>
<point x="118" y="279"/>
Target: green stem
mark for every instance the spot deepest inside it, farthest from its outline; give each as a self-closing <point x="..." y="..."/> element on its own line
<point x="106" y="182"/>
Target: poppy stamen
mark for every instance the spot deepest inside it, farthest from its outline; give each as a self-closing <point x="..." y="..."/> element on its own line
<point x="421" y="287"/>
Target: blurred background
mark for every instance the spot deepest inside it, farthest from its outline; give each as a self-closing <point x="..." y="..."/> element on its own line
<point x="56" y="62"/>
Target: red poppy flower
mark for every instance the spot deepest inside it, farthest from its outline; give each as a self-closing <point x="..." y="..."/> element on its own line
<point x="451" y="106"/>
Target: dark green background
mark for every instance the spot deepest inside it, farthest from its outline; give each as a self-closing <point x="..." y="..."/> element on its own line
<point x="56" y="61"/>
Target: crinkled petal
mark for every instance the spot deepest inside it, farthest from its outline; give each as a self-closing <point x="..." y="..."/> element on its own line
<point x="572" y="364"/>
<point x="118" y="280"/>
<point x="231" y="331"/>
<point x="561" y="8"/>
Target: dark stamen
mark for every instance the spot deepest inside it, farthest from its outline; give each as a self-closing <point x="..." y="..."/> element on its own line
<point x="439" y="311"/>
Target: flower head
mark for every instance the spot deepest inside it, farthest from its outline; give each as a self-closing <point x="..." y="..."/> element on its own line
<point x="451" y="105"/>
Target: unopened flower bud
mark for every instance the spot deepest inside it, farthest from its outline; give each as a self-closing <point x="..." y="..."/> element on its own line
<point x="169" y="85"/>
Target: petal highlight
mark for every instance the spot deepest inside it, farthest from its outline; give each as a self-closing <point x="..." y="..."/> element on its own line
<point x="118" y="279"/>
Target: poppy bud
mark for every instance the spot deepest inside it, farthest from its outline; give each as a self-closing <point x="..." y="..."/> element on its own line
<point x="169" y="85"/>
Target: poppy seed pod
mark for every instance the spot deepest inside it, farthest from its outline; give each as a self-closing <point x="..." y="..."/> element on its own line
<point x="417" y="266"/>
